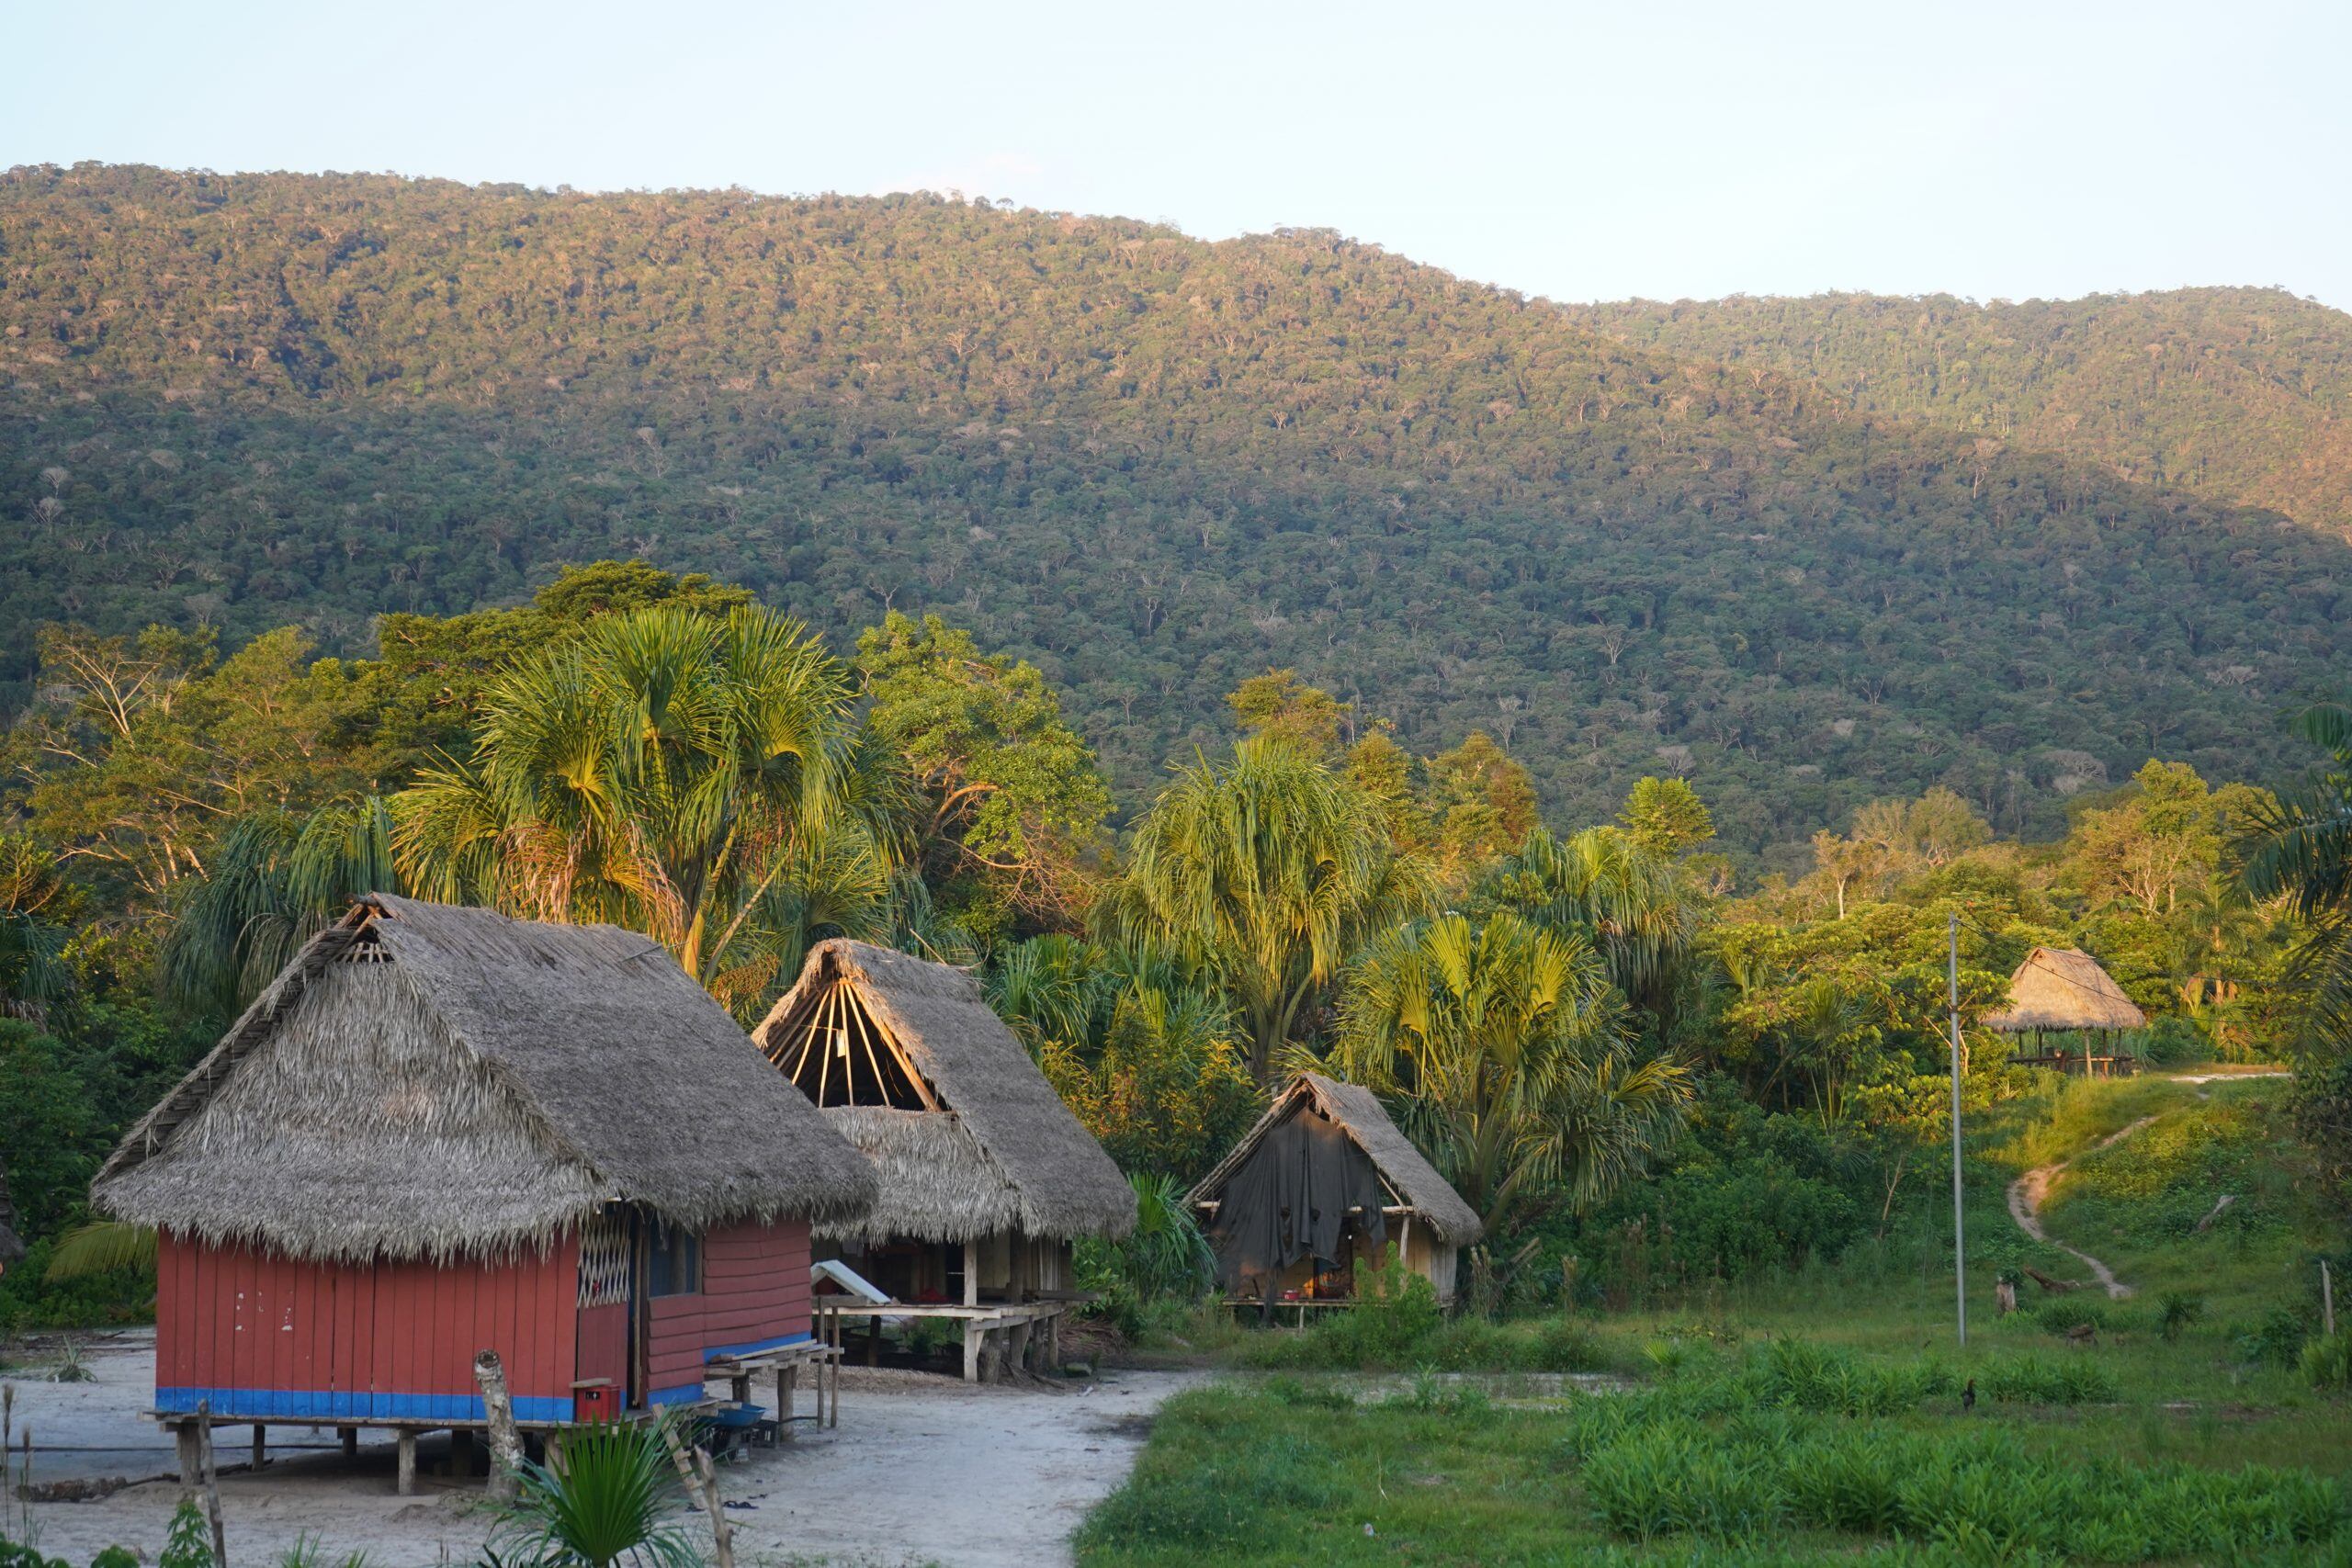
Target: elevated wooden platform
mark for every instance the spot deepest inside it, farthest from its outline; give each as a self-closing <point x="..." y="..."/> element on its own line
<point x="998" y="1336"/>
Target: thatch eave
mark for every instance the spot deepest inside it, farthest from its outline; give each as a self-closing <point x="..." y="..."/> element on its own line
<point x="1062" y="1185"/>
<point x="458" y="1084"/>
<point x="2062" y="989"/>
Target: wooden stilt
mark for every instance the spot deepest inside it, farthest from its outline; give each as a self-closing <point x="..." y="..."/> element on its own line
<point x="833" y="1416"/>
<point x="461" y="1453"/>
<point x="973" y="1334"/>
<point x="874" y="1341"/>
<point x="785" y="1379"/>
<point x="406" y="1482"/>
<point x="261" y="1445"/>
<point x="350" y="1436"/>
<point x="1016" y="1353"/>
<point x="1054" y="1344"/>
<point x="191" y="1461"/>
<point x="211" y="1480"/>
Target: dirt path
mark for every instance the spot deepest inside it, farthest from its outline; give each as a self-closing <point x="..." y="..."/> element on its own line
<point x="2027" y="1192"/>
<point x="921" y="1470"/>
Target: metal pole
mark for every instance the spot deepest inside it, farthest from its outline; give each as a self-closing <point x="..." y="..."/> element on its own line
<point x="1958" y="1248"/>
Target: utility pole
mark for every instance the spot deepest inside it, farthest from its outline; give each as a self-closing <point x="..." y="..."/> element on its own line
<point x="1959" y="1246"/>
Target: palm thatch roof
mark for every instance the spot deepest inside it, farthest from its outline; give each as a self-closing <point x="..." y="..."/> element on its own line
<point x="2064" y="987"/>
<point x="999" y="1154"/>
<point x="12" y="1246"/>
<point x="1357" y="1111"/>
<point x="425" y="1080"/>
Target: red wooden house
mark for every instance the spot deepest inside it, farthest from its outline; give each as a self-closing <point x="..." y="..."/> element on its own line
<point x="441" y="1130"/>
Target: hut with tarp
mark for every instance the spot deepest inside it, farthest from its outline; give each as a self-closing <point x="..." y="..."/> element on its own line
<point x="439" y="1132"/>
<point x="1319" y="1187"/>
<point x="2063" y="991"/>
<point x="12" y="1247"/>
<point x="986" y="1177"/>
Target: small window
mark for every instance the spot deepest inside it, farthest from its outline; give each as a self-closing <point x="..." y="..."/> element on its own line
<point x="676" y="1263"/>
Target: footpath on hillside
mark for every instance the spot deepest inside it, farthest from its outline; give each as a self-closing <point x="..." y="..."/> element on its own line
<point x="2027" y="1192"/>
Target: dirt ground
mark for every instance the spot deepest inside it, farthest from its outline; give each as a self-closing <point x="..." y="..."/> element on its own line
<point x="921" y="1470"/>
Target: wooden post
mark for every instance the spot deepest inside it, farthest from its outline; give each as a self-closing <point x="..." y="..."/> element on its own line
<point x="211" y="1483"/>
<point x="505" y="1437"/>
<point x="874" y="1340"/>
<point x="461" y="1453"/>
<point x="350" y="1436"/>
<point x="833" y="1411"/>
<point x="261" y="1446"/>
<point x="1016" y="1353"/>
<point x="192" y="1462"/>
<point x="787" y="1380"/>
<point x="701" y="1487"/>
<point x="1053" y="1342"/>
<point x="971" y="1350"/>
<point x="972" y="1274"/>
<point x="405" y="1443"/>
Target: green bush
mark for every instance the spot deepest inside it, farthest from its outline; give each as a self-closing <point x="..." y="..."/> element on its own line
<point x="2034" y="1380"/>
<point x="2275" y="1341"/>
<point x="2327" y="1361"/>
<point x="2179" y="1312"/>
<point x="2174" y="1041"/>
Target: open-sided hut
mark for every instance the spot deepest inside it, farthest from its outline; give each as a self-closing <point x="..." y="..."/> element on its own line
<point x="1322" y="1183"/>
<point x="441" y="1130"/>
<point x="987" y="1178"/>
<point x="12" y="1247"/>
<point x="2062" y="990"/>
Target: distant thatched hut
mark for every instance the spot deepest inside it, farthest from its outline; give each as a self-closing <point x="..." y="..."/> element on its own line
<point x="11" y="1246"/>
<point x="1323" y="1183"/>
<point x="441" y="1130"/>
<point x="2062" y="990"/>
<point x="986" y="1175"/>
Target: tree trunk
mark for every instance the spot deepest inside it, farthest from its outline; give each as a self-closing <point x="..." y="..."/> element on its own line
<point x="506" y="1438"/>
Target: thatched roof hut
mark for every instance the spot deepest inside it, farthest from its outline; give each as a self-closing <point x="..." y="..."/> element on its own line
<point x="1412" y="1180"/>
<point x="475" y="1085"/>
<point x="12" y="1246"/>
<point x="911" y="1063"/>
<point x="2059" y="988"/>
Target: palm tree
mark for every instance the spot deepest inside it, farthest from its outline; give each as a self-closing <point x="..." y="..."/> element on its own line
<point x="2300" y="849"/>
<point x="697" y="780"/>
<point x="1503" y="1042"/>
<point x="1631" y="904"/>
<point x="274" y="881"/>
<point x="1267" y="872"/>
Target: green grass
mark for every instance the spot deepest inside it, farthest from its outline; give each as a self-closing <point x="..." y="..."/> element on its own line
<point x="1814" y="1414"/>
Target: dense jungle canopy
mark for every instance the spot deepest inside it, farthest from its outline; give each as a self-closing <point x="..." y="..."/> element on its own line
<point x="1803" y="558"/>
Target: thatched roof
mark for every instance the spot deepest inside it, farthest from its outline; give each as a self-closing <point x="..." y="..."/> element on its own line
<point x="1357" y="1112"/>
<point x="1002" y="1154"/>
<point x="11" y="1246"/>
<point x="2064" y="987"/>
<point x="425" y="1080"/>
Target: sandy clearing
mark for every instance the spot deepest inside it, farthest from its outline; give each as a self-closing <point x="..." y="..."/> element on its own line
<point x="921" y="1470"/>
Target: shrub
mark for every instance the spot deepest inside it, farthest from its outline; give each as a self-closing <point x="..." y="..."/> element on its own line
<point x="2327" y="1361"/>
<point x="2179" y="1312"/>
<point x="2275" y="1341"/>
<point x="2033" y="1379"/>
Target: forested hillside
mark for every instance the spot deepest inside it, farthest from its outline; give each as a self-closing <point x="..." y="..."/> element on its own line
<point x="1152" y="466"/>
<point x="2240" y="395"/>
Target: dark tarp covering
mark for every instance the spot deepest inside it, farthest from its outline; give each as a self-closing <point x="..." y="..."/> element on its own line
<point x="1291" y="1200"/>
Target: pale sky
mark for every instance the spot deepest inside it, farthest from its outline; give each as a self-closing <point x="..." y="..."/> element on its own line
<point x="1577" y="151"/>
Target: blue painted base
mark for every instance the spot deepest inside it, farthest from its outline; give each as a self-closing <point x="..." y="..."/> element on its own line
<point x="305" y="1404"/>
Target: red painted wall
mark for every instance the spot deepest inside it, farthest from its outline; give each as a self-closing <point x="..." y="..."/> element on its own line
<point x="754" y="1288"/>
<point x="263" y="1336"/>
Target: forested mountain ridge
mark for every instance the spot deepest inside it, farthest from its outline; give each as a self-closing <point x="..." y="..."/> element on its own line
<point x="2240" y="395"/>
<point x="1152" y="464"/>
